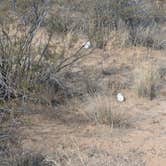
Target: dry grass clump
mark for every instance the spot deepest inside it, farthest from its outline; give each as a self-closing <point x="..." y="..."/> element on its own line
<point x="120" y="38"/>
<point x="146" y="78"/>
<point x="16" y="159"/>
<point x="29" y="160"/>
<point x="99" y="108"/>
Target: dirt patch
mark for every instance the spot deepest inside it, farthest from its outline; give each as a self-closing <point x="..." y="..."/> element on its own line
<point x="143" y="144"/>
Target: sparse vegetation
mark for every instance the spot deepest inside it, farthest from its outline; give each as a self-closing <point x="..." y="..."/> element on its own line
<point x="101" y="109"/>
<point x="24" y="160"/>
<point x="147" y="77"/>
<point x="53" y="87"/>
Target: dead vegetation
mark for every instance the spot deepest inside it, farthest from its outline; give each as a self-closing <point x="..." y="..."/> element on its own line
<point x="147" y="77"/>
<point x="101" y="109"/>
<point x="46" y="69"/>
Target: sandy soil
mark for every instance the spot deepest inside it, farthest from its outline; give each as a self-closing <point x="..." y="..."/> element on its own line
<point x="143" y="143"/>
<point x="72" y="140"/>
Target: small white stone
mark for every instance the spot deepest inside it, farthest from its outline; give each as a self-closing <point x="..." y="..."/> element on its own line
<point x="87" y="45"/>
<point x="120" y="97"/>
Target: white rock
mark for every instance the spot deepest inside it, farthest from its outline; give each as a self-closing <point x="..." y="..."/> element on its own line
<point x="87" y="45"/>
<point x="120" y="97"/>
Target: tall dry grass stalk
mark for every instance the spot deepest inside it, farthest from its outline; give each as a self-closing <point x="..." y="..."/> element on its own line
<point x="100" y="108"/>
<point x="146" y="79"/>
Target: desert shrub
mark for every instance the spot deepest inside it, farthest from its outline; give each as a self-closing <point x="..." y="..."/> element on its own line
<point x="29" y="160"/>
<point x="99" y="19"/>
<point x="16" y="158"/>
<point x="20" y="61"/>
<point x="146" y="25"/>
<point x="94" y="18"/>
<point x="17" y="65"/>
<point x="58" y="24"/>
<point x="99" y="108"/>
<point x="146" y="79"/>
<point x="141" y="20"/>
<point x="151" y="35"/>
<point x="27" y="67"/>
<point x="109" y="16"/>
<point x="103" y="19"/>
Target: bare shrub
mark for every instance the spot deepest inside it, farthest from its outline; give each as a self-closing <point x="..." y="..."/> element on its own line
<point x="142" y="20"/>
<point x="25" y="66"/>
<point x="58" y="23"/>
<point x="17" y="54"/>
<point x="105" y="20"/>
<point x="146" y="78"/>
<point x="120" y="38"/>
<point x="23" y="159"/>
<point x="100" y="109"/>
<point x="151" y="36"/>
